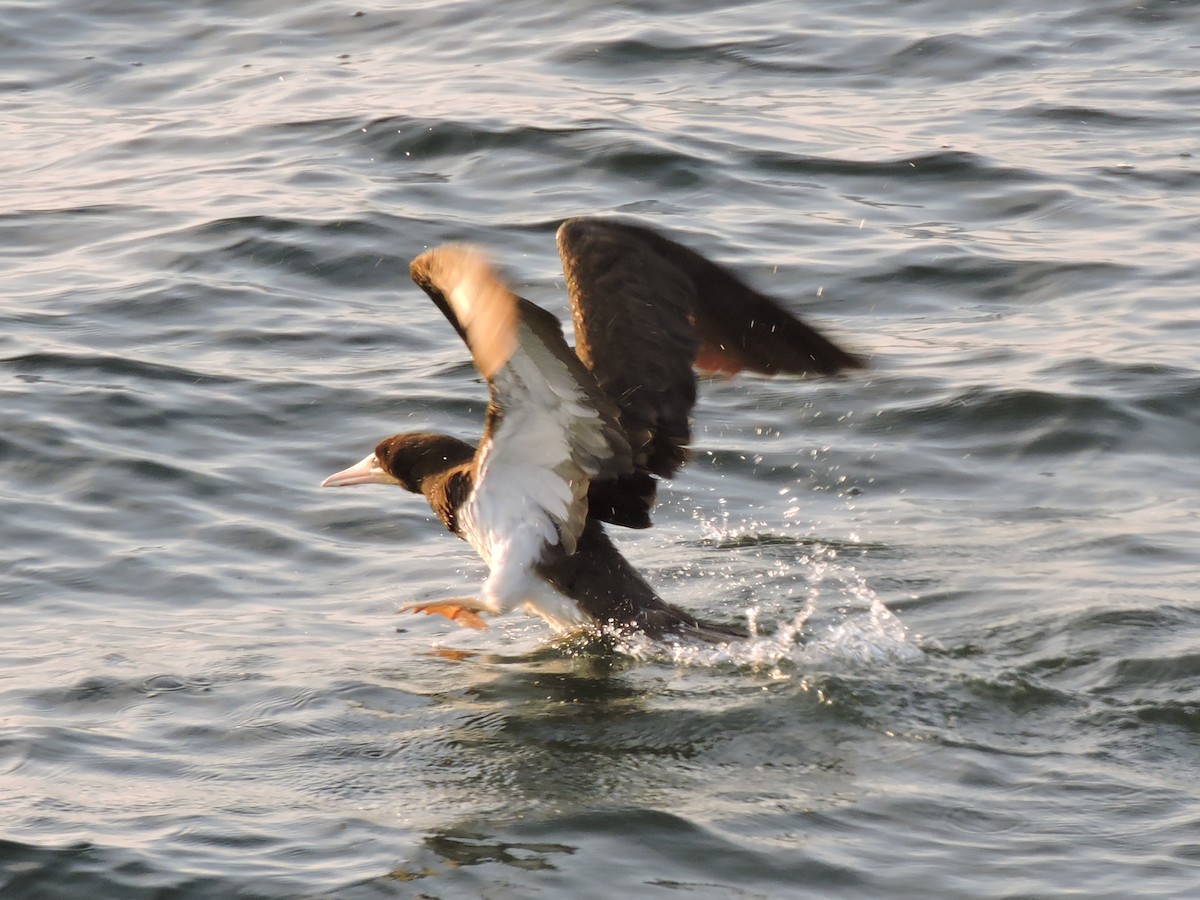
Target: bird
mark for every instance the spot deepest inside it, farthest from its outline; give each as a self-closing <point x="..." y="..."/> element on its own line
<point x="576" y="438"/>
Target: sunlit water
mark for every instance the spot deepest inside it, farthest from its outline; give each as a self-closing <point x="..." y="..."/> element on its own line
<point x="970" y="572"/>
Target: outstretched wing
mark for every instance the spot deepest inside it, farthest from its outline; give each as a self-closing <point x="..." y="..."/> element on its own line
<point x="648" y="311"/>
<point x="550" y="430"/>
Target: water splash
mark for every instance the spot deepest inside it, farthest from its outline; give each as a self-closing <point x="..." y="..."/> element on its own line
<point x="826" y="615"/>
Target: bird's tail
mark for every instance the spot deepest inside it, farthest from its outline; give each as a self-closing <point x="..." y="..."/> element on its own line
<point x="666" y="620"/>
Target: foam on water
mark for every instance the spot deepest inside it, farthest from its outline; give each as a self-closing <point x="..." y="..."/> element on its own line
<point x="825" y="615"/>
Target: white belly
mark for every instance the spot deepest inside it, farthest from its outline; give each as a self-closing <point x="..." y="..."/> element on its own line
<point x="511" y="551"/>
<point x="560" y="611"/>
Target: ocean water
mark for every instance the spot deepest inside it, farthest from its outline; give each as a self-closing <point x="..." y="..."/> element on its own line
<point x="972" y="570"/>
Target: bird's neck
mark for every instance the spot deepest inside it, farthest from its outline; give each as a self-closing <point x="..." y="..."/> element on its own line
<point x="447" y="490"/>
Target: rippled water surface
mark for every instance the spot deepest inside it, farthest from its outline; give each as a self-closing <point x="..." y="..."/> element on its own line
<point x="972" y="569"/>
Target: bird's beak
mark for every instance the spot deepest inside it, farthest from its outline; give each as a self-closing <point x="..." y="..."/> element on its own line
<point x="366" y="472"/>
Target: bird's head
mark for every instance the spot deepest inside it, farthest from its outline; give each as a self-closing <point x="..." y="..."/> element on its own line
<point x="406" y="460"/>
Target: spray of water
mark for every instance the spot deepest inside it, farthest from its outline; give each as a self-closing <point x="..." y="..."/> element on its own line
<point x="806" y="604"/>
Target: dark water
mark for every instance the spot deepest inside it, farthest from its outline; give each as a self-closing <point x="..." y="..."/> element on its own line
<point x="974" y="567"/>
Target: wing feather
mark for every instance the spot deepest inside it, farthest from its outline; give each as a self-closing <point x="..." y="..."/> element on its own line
<point x="458" y="278"/>
<point x="632" y="312"/>
<point x="648" y="310"/>
<point x="550" y="430"/>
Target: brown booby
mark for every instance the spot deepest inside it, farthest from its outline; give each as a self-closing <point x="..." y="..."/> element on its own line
<point x="574" y="438"/>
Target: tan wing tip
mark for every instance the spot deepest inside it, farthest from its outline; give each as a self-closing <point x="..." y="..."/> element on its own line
<point x="439" y="266"/>
<point x="462" y="281"/>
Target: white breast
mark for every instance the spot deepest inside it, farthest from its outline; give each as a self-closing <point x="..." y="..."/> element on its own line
<point x="529" y="488"/>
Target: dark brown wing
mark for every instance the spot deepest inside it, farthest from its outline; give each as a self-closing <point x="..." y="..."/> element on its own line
<point x="647" y="310"/>
<point x="632" y="308"/>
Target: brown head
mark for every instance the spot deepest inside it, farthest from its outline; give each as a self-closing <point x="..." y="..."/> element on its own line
<point x="406" y="460"/>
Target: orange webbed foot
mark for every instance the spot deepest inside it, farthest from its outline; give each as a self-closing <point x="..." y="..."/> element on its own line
<point x="455" y="610"/>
